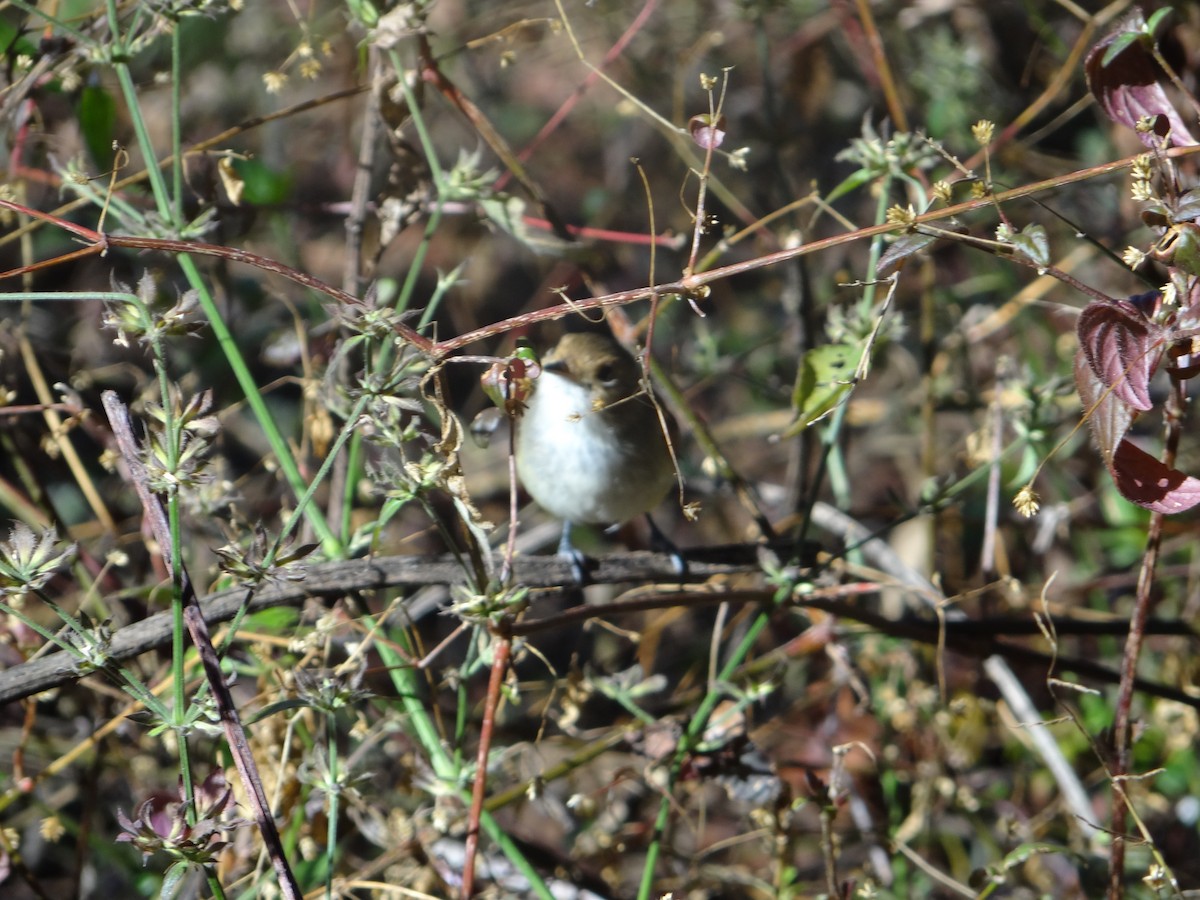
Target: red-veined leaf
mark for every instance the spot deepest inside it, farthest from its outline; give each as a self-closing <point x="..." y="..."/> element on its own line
<point x="1122" y="347"/>
<point x="1108" y="416"/>
<point x="1124" y="78"/>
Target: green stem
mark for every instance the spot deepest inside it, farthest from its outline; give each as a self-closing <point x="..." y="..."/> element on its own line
<point x="354" y="463"/>
<point x="687" y="744"/>
<point x="178" y="649"/>
<point x="334" y="789"/>
<point x="408" y="689"/>
<point x="283" y="454"/>
<point x="74" y="296"/>
<point x="839" y="479"/>
<point x="237" y="363"/>
<point x="176" y="127"/>
<point x="157" y="184"/>
<point x="304" y="505"/>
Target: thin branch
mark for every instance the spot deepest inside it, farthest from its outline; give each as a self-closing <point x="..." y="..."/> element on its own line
<point x="339" y="579"/>
<point x="502" y="652"/>
<point x="243" y="757"/>
<point x="1172" y="421"/>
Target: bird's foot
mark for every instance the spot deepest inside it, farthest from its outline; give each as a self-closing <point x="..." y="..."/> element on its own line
<point x="663" y="544"/>
<point x="575" y="557"/>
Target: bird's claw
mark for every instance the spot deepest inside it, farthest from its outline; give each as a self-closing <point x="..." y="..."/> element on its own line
<point x="575" y="557"/>
<point x="663" y="544"/>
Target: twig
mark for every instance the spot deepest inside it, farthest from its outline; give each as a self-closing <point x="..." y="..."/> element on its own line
<point x="243" y="757"/>
<point x="215" y="141"/>
<point x="882" y="69"/>
<point x="503" y="649"/>
<point x="690" y="284"/>
<point x="432" y="74"/>
<point x="1172" y="420"/>
<point x="100" y="244"/>
<point x="338" y="579"/>
<point x="1027" y="715"/>
<point x="591" y="78"/>
<point x="685" y="287"/>
<point x="359" y="195"/>
<point x="997" y="668"/>
<point x="342" y="578"/>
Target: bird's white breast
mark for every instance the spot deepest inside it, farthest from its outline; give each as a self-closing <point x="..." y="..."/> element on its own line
<point x="579" y="466"/>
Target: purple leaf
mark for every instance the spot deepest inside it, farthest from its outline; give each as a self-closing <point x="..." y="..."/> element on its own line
<point x="1147" y="482"/>
<point x="902" y="249"/>
<point x="1122" y="347"/>
<point x="1126" y="83"/>
<point x="708" y="132"/>
<point x="1108" y="416"/>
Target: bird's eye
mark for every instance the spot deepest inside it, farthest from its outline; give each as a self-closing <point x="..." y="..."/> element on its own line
<point x="606" y="374"/>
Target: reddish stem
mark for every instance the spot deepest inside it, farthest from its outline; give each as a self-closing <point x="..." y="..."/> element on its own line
<point x="503" y="648"/>
<point x="1173" y="419"/>
<point x="592" y="77"/>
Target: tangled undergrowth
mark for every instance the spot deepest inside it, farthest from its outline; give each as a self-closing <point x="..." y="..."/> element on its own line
<point x="918" y="284"/>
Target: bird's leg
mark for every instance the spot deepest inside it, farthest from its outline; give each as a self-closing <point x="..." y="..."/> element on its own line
<point x="573" y="555"/>
<point x="663" y="544"/>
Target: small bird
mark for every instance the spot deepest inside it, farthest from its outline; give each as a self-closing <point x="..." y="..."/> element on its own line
<point x="590" y="446"/>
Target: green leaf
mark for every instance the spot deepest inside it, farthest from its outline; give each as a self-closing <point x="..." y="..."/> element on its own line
<point x="1021" y="854"/>
<point x="173" y="879"/>
<point x="1156" y="19"/>
<point x="264" y="186"/>
<point x="272" y="709"/>
<point x="280" y="620"/>
<point x="1120" y="42"/>
<point x="1033" y="243"/>
<point x="825" y="376"/>
<point x="14" y="43"/>
<point x="851" y="183"/>
<point x="1186" y="252"/>
<point x="364" y="11"/>
<point x="97" y="113"/>
<point x="1187" y="207"/>
<point x="902" y="248"/>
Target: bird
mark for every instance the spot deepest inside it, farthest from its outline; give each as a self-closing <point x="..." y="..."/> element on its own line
<point x="590" y="444"/>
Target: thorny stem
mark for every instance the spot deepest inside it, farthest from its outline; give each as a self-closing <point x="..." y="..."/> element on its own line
<point x="690" y="284"/>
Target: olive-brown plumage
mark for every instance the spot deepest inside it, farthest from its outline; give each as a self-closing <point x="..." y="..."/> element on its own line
<point x="590" y="446"/>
